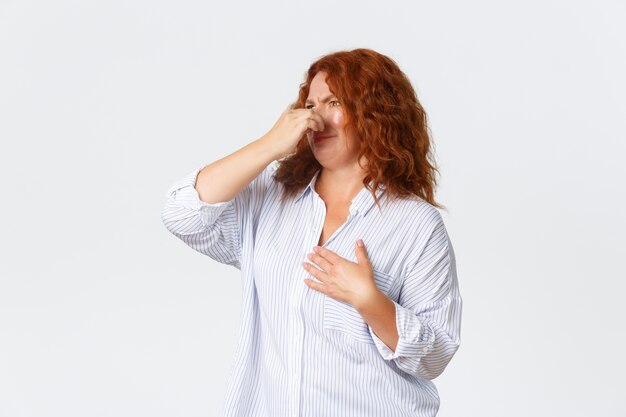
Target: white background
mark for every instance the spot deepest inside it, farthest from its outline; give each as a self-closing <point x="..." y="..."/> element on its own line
<point x="104" y="104"/>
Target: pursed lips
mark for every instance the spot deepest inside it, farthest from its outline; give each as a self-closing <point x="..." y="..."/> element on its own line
<point x="320" y="137"/>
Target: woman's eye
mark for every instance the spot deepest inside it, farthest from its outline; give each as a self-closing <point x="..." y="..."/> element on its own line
<point x="332" y="103"/>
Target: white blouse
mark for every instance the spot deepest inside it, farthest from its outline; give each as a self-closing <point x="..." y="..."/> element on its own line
<point x="300" y="352"/>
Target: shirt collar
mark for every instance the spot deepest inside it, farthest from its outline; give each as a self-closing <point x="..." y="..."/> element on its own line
<point x="361" y="204"/>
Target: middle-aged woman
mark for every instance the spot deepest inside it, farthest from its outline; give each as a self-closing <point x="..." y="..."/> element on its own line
<point x="350" y="297"/>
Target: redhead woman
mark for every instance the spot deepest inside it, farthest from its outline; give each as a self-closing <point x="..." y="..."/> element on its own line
<point x="351" y="305"/>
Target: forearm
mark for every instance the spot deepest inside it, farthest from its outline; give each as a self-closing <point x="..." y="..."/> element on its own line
<point x="379" y="312"/>
<point x="223" y="179"/>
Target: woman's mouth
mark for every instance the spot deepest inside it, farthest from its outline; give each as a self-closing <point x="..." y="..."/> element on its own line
<point x="320" y="138"/>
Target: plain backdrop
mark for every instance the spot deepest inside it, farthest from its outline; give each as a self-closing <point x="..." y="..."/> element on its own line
<point x="105" y="104"/>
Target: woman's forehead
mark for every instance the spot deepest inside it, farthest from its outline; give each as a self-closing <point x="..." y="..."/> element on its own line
<point x="318" y="89"/>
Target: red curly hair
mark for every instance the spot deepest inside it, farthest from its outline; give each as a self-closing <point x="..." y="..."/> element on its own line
<point x="381" y="107"/>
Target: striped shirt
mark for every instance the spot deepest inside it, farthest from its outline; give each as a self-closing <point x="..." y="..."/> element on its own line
<point x="301" y="353"/>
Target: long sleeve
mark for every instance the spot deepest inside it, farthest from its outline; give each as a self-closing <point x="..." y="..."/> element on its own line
<point x="214" y="230"/>
<point x="428" y="313"/>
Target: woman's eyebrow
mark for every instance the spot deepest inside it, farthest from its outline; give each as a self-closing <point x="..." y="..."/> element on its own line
<point x="324" y="100"/>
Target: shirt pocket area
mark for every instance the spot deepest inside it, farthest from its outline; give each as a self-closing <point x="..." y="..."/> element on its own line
<point x="342" y="317"/>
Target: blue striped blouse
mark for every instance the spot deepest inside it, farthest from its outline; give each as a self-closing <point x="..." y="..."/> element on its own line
<point x="300" y="352"/>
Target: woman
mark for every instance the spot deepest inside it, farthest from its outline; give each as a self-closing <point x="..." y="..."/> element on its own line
<point x="332" y="327"/>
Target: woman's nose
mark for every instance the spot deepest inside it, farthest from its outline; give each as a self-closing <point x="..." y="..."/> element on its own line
<point x="319" y="110"/>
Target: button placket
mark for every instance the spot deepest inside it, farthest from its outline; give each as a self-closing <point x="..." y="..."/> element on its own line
<point x="296" y="332"/>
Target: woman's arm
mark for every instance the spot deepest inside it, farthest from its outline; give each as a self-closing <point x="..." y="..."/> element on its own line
<point x="223" y="179"/>
<point x="428" y="312"/>
<point x="209" y="208"/>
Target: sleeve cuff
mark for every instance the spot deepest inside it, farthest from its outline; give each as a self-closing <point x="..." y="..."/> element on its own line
<point x="414" y="339"/>
<point x="188" y="180"/>
<point x="184" y="194"/>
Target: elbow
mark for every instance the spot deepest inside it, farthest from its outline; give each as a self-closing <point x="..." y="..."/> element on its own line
<point x="420" y="369"/>
<point x="429" y="366"/>
<point x="167" y="219"/>
<point x="181" y="221"/>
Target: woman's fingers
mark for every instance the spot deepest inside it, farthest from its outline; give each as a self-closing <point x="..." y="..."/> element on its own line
<point x="320" y="121"/>
<point x="320" y="261"/>
<point x="315" y="121"/>
<point x="314" y="125"/>
<point x="292" y="126"/>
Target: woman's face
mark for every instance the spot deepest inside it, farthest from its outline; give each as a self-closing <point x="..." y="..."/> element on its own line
<point x="332" y="147"/>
